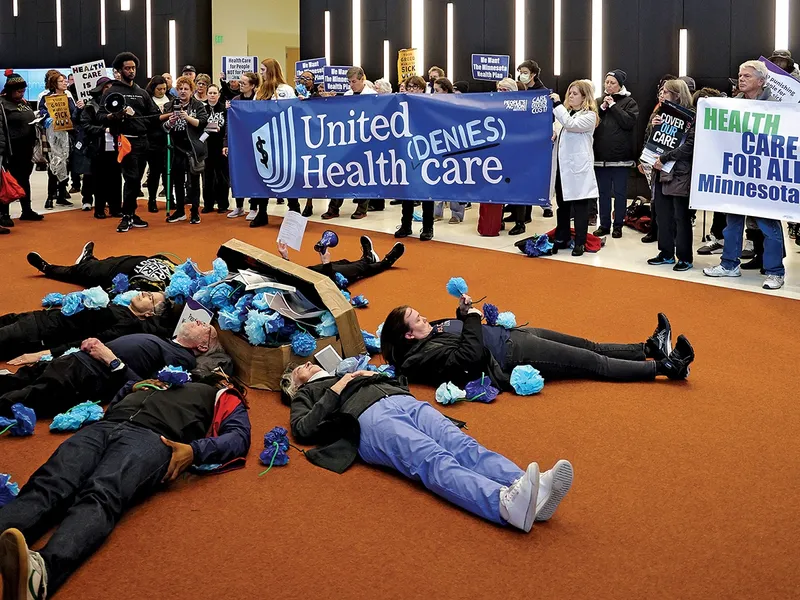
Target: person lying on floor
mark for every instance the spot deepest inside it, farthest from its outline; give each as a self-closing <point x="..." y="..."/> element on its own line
<point x="149" y="436"/>
<point x="462" y="350"/>
<point x="369" y="265"/>
<point x="100" y="370"/>
<point x="372" y="416"/>
<point x="41" y="332"/>
<point x="144" y="273"/>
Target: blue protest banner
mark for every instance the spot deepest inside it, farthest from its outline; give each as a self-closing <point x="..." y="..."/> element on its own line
<point x="313" y="65"/>
<point x="490" y="67"/>
<point x="335" y="79"/>
<point x="492" y="147"/>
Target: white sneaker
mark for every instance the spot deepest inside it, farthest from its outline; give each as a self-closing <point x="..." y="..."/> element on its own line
<point x="23" y="571"/>
<point x="518" y="502"/>
<point x="553" y="486"/>
<point x="251" y="215"/>
<point x="236" y="212"/>
<point x="773" y="282"/>
<point x="714" y="246"/>
<point x="720" y="271"/>
<point x="86" y="206"/>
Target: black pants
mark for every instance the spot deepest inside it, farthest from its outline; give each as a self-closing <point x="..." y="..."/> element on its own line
<point x="19" y="334"/>
<point x="156" y="170"/>
<point x="94" y="272"/>
<point x="294" y="204"/>
<point x="354" y="270"/>
<point x="187" y="184"/>
<point x="522" y="213"/>
<point x="56" y="189"/>
<point x="335" y="205"/>
<point x="675" y="225"/>
<point x="240" y="203"/>
<point x="108" y="183"/>
<point x="20" y="167"/>
<point x="132" y="168"/>
<point x="83" y="489"/>
<point x="88" y="189"/>
<point x="217" y="181"/>
<point x="718" y="225"/>
<point x="564" y="213"/>
<point x="560" y="356"/>
<point x="428" y="208"/>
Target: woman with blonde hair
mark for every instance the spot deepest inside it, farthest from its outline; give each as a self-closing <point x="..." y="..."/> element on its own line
<point x="576" y="185"/>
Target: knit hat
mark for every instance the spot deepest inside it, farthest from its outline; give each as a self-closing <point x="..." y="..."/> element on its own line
<point x="620" y="75"/>
<point x="690" y="83"/>
<point x="14" y="81"/>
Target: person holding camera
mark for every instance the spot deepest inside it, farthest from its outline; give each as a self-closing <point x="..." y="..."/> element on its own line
<point x="186" y="124"/>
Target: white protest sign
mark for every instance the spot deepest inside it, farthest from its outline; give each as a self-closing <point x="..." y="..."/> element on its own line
<point x="784" y="87"/>
<point x="236" y="66"/>
<point x="194" y="311"/>
<point x="747" y="158"/>
<point x="292" y="230"/>
<point x="86" y="77"/>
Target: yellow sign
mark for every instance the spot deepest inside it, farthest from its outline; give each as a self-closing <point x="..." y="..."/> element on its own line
<point x="406" y="64"/>
<point x="58" y="108"/>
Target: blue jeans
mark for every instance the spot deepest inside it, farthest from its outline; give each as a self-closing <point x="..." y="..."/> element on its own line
<point x="84" y="488"/>
<point x="415" y="439"/>
<point x="773" y="243"/>
<point x="612" y="179"/>
<point x="457" y="209"/>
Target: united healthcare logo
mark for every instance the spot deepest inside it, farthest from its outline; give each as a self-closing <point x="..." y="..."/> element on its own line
<point x="274" y="148"/>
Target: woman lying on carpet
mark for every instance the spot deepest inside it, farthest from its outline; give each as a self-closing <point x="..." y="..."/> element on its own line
<point x="462" y="350"/>
<point x="372" y="416"/>
<point x="148" y="437"/>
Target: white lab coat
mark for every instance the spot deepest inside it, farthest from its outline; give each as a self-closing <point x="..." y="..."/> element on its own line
<point x="576" y="153"/>
<point x="367" y="91"/>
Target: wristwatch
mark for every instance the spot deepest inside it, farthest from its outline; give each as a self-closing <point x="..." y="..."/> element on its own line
<point x="115" y="364"/>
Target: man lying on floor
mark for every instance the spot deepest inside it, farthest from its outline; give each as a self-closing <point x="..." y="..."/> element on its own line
<point x="148" y="437"/>
<point x="144" y="273"/>
<point x="41" y="332"/>
<point x="372" y="416"/>
<point x="100" y="370"/>
<point x="462" y="350"/>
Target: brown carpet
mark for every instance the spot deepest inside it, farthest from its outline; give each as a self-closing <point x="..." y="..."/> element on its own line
<point x="682" y="490"/>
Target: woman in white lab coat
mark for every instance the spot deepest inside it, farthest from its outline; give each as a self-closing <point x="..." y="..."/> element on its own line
<point x="576" y="186"/>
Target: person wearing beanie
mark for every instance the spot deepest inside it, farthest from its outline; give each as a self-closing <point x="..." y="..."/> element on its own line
<point x="130" y="127"/>
<point x="19" y="137"/>
<point x="690" y="83"/>
<point x="614" y="150"/>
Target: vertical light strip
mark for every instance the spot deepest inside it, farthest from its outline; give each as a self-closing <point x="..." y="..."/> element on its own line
<point x="328" y="36"/>
<point x="58" y="23"/>
<point x="451" y="41"/>
<point x="148" y="16"/>
<point x="356" y="33"/>
<point x="683" y="53"/>
<point x="102" y="22"/>
<point x="15" y="6"/>
<point x="557" y="38"/>
<point x="781" y="25"/>
<point x="418" y="32"/>
<point x="386" y="61"/>
<point x="597" y="44"/>
<point x="124" y="4"/>
<point x="173" y="48"/>
<point x="519" y="35"/>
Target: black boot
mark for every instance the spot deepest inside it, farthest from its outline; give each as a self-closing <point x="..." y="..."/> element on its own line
<point x="261" y="218"/>
<point x="403" y="231"/>
<point x="6" y="221"/>
<point x="518" y="229"/>
<point x="152" y="206"/>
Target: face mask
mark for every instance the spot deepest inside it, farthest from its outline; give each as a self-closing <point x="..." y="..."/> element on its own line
<point x="525" y="78"/>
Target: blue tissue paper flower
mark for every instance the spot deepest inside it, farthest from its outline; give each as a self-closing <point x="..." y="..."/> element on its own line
<point x="178" y="288"/>
<point x="289" y="327"/>
<point x="190" y="269"/>
<point x="76" y="417"/>
<point x="254" y="328"/>
<point x="346" y="295"/>
<point x="387" y="370"/>
<point x="373" y="343"/>
<point x="203" y="296"/>
<point x="490" y="313"/>
<point x="121" y="283"/>
<point x="174" y="375"/>
<point x="449" y="393"/>
<point x="457" y="287"/>
<point x="124" y="299"/>
<point x="73" y="303"/>
<point x="481" y="390"/>
<point x="360" y="301"/>
<point x="53" y="299"/>
<point x="353" y="364"/>
<point x="538" y="246"/>
<point x="341" y="281"/>
<point x="276" y="446"/>
<point x="379" y="330"/>
<point x="70" y="351"/>
<point x="221" y="296"/>
<point x="45" y="358"/>
<point x="23" y="422"/>
<point x="95" y="297"/>
<point x="229" y="320"/>
<point x="218" y="273"/>
<point x="507" y="320"/>
<point x="526" y="380"/>
<point x="8" y="489"/>
<point x="327" y="326"/>
<point x="260" y="302"/>
<point x="244" y="303"/>
<point x="417" y="217"/>
<point x="273" y="323"/>
<point x="303" y="344"/>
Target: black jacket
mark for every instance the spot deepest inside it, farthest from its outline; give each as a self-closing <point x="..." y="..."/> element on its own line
<point x="323" y="417"/>
<point x="443" y="357"/>
<point x="614" y="140"/>
<point x="94" y="132"/>
<point x="186" y="137"/>
<point x="146" y="112"/>
<point x="678" y="182"/>
<point x="217" y="114"/>
<point x="15" y="121"/>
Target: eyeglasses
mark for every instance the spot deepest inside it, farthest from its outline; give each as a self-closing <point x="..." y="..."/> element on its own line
<point x="305" y="79"/>
<point x="413" y="87"/>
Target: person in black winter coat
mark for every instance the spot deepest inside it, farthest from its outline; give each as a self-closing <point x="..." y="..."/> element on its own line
<point x="614" y="150"/>
<point x="217" y="176"/>
<point x="462" y="350"/>
<point x="186" y="125"/>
